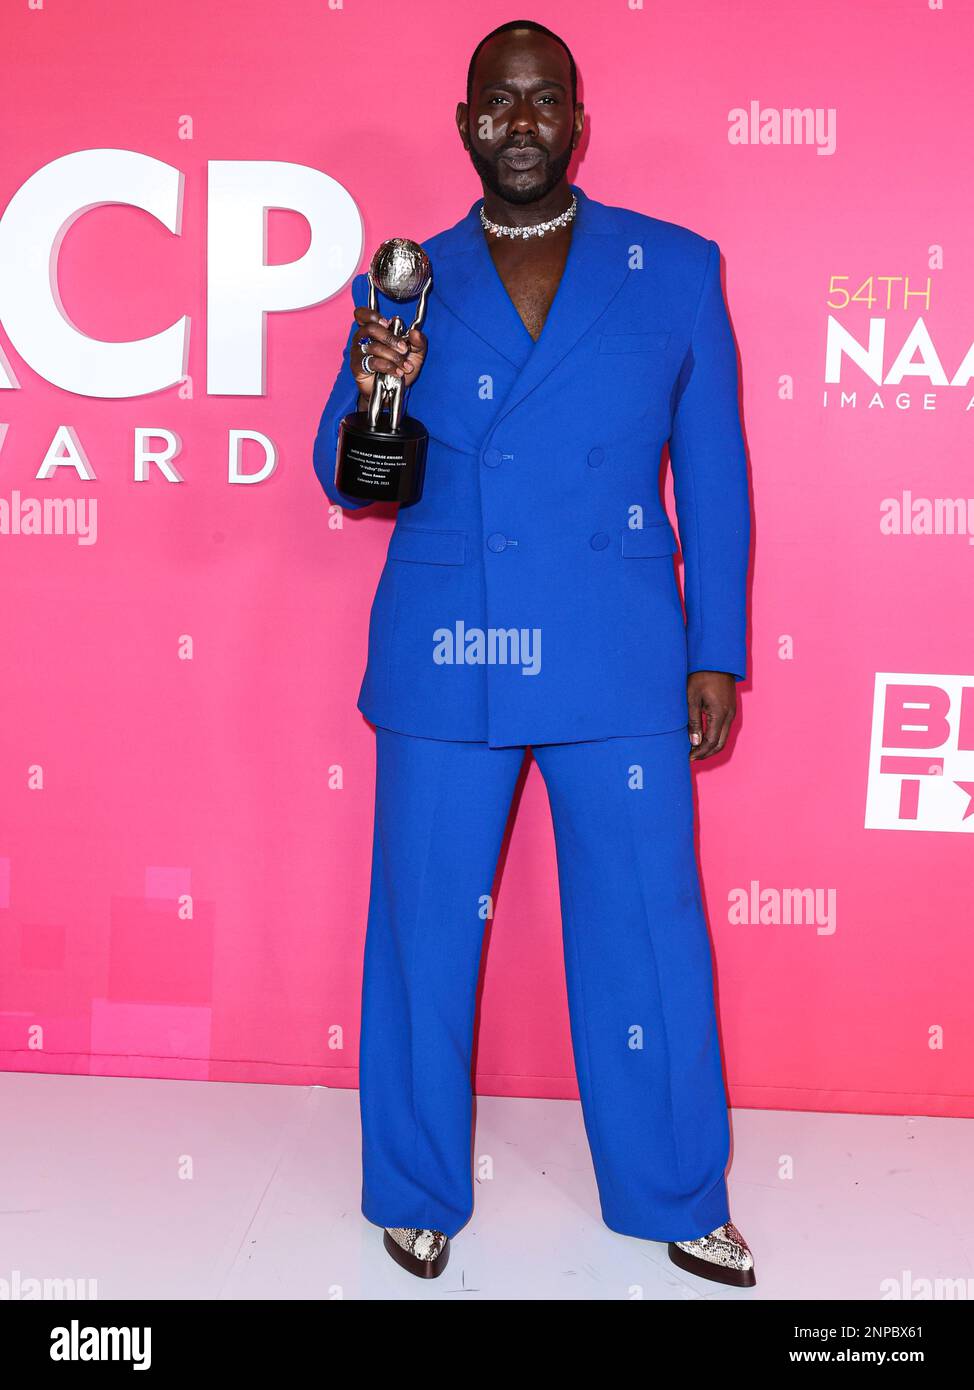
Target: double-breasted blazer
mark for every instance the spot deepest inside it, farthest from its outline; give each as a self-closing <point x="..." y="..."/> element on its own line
<point x="530" y="595"/>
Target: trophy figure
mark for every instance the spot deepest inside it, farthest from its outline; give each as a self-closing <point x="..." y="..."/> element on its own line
<point x="382" y="450"/>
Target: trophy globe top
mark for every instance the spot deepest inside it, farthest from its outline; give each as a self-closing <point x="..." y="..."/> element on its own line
<point x="400" y="269"/>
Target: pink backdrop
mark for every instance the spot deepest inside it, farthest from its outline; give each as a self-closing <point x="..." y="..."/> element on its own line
<point x="183" y="887"/>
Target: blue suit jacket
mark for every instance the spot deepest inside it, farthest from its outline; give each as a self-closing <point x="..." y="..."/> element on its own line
<point x="541" y="524"/>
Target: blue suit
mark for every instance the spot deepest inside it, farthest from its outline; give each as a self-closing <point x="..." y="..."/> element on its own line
<point x="541" y="508"/>
<point x="529" y="599"/>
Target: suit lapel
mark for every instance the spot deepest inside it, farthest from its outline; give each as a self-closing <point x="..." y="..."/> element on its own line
<point x="596" y="268"/>
<point x="466" y="280"/>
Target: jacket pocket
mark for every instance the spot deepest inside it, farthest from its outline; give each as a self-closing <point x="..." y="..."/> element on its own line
<point x="650" y="341"/>
<point x="417" y="545"/>
<point x="657" y="539"/>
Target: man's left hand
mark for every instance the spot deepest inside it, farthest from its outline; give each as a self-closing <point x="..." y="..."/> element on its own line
<point x="711" y="695"/>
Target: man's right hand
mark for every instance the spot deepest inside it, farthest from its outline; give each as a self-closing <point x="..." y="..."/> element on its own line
<point x="385" y="352"/>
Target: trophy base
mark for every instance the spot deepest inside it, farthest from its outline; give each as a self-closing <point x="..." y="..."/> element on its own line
<point x="376" y="465"/>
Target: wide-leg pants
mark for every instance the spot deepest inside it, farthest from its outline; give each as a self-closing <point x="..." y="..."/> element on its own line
<point x="637" y="963"/>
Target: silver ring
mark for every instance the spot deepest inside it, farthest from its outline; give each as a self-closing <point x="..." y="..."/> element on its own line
<point x="367" y="362"/>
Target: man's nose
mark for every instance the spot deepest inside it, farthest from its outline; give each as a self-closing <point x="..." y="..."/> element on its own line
<point x="523" y="118"/>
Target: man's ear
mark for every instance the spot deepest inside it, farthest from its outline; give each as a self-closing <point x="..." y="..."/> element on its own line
<point x="462" y="116"/>
<point x="579" y="124"/>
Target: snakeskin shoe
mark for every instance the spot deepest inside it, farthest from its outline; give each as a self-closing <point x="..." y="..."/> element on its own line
<point x="423" y="1253"/>
<point x="723" y="1256"/>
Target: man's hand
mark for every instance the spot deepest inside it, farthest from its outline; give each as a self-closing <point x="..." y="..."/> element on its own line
<point x="385" y="352"/>
<point x="714" y="694"/>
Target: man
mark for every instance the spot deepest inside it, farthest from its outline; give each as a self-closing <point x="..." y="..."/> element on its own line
<point x="529" y="600"/>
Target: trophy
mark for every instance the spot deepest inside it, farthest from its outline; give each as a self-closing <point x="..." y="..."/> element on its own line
<point x="382" y="450"/>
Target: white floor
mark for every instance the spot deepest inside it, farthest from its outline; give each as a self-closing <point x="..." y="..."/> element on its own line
<point x="182" y="1189"/>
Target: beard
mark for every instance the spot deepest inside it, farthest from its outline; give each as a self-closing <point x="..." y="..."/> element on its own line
<point x="555" y="169"/>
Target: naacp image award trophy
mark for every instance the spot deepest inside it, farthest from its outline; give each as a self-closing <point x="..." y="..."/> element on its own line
<point x="382" y="450"/>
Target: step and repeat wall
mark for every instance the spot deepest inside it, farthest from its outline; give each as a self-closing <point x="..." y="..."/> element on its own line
<point x="185" y="782"/>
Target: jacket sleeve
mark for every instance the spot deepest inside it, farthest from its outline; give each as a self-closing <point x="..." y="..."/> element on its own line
<point x="710" y="486"/>
<point x="342" y="401"/>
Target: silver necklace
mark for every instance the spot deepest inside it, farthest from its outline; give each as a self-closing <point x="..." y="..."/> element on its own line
<point x="539" y="229"/>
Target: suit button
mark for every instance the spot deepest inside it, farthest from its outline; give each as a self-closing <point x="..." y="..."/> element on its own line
<point x="492" y="457"/>
<point x="497" y="542"/>
<point x="595" y="457"/>
<point x="599" y="541"/>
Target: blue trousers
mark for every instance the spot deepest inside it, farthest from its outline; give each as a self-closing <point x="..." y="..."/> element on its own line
<point x="637" y="963"/>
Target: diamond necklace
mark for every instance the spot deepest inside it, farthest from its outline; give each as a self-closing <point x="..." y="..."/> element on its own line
<point x="539" y="229"/>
